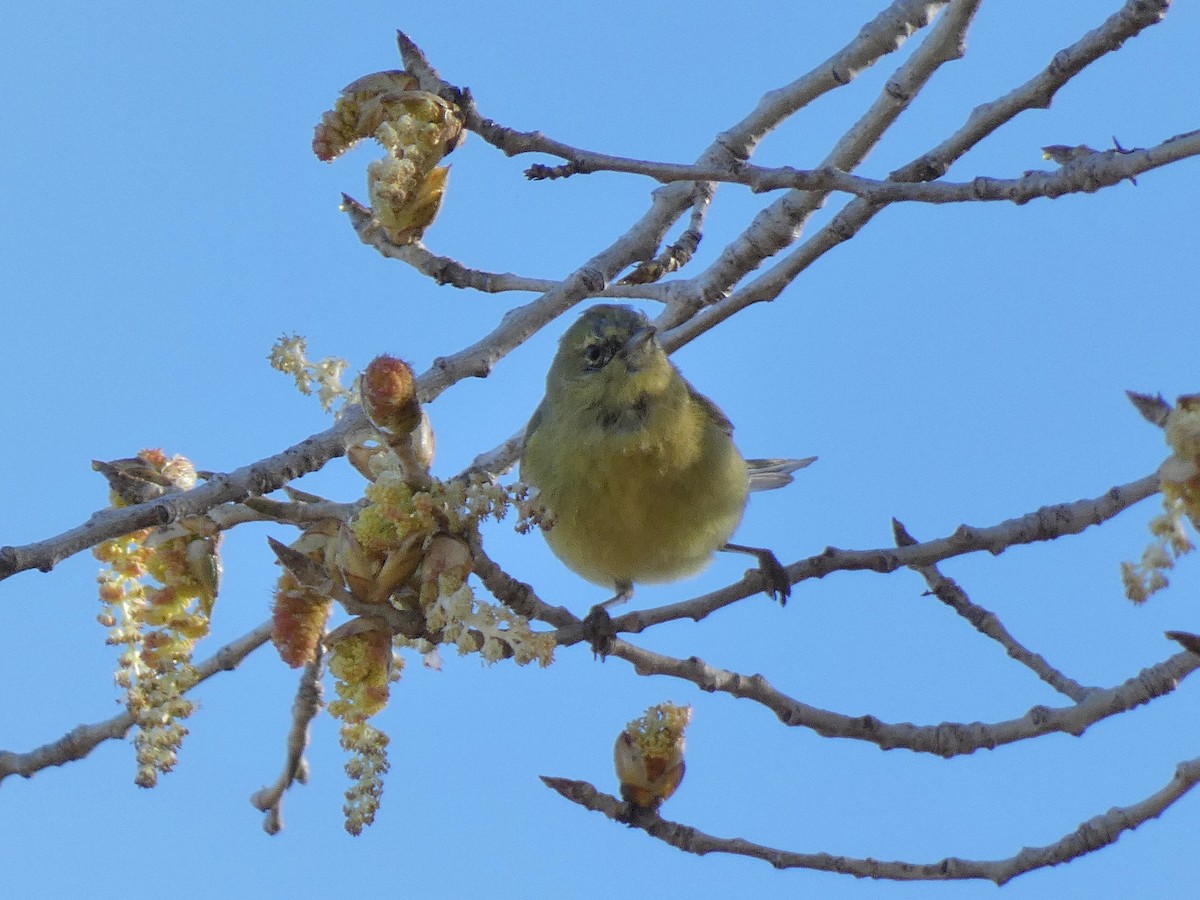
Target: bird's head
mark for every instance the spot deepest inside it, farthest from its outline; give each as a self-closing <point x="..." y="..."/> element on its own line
<point x="610" y="357"/>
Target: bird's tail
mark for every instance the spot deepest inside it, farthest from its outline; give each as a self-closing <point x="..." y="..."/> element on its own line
<point x="768" y="474"/>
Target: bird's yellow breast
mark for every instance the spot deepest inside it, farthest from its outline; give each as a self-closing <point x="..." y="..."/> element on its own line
<point x="643" y="492"/>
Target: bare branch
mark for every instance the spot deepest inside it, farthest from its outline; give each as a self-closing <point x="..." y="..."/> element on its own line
<point x="1084" y="172"/>
<point x="885" y="34"/>
<point x="517" y="595"/>
<point x="444" y="270"/>
<point x="1092" y="835"/>
<point x="264" y="509"/>
<point x="672" y="259"/>
<point x="1045" y="524"/>
<point x="500" y="458"/>
<point x="1187" y="640"/>
<point x="946" y="739"/>
<point x="776" y="227"/>
<point x="1130" y="20"/>
<point x="1154" y="409"/>
<point x="79" y="742"/>
<point x="987" y="623"/>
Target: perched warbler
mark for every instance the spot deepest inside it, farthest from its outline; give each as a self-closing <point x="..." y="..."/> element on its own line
<point x="638" y="471"/>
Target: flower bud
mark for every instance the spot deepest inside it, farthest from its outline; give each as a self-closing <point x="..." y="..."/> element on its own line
<point x="649" y="755"/>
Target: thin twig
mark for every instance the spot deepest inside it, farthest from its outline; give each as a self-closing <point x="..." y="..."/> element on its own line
<point x="80" y="741"/>
<point x="988" y="623"/>
<point x="308" y="703"/>
<point x="445" y="270"/>
<point x="1086" y="172"/>
<point x="264" y="509"/>
<point x="515" y="594"/>
<point x="885" y="34"/>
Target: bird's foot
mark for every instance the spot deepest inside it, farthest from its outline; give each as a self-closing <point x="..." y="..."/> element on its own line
<point x="779" y="585"/>
<point x="598" y="631"/>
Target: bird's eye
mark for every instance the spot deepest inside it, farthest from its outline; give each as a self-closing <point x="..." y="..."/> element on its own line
<point x="593" y="354"/>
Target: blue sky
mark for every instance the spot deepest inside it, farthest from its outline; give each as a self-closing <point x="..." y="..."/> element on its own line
<point x="163" y="221"/>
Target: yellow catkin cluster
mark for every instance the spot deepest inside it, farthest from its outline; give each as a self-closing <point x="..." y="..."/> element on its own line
<point x="407" y="546"/>
<point x="157" y="627"/>
<point x="299" y="615"/>
<point x="158" y="589"/>
<point x="392" y="513"/>
<point x="416" y="128"/>
<point x="474" y="626"/>
<point x="1180" y="478"/>
<point x="404" y="548"/>
<point x="1181" y="472"/>
<point x="358" y="112"/>
<point x="368" y="763"/>
<point x="361" y="663"/>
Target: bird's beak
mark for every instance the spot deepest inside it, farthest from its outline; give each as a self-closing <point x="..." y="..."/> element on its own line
<point x="637" y="341"/>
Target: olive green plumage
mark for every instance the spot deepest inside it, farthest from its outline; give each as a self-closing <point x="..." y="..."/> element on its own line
<point x="639" y="471"/>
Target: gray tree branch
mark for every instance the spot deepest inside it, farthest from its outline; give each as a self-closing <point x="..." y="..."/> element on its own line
<point x="1130" y="20"/>
<point x="1093" y="834"/>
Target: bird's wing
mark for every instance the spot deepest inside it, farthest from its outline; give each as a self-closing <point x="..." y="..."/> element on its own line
<point x="534" y="421"/>
<point x="711" y="409"/>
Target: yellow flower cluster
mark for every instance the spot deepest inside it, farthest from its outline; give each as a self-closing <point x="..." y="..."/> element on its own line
<point x="1180" y="479"/>
<point x="422" y="528"/>
<point x="361" y="663"/>
<point x="532" y="511"/>
<point x="359" y="111"/>
<point x="474" y="626"/>
<point x="403" y="547"/>
<point x="393" y="512"/>
<point x="290" y="356"/>
<point x="1181" y="472"/>
<point x="158" y="588"/>
<point x="660" y="730"/>
<point x="648" y="755"/>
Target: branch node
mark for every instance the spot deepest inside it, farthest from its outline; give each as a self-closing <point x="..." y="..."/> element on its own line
<point x="540" y="172"/>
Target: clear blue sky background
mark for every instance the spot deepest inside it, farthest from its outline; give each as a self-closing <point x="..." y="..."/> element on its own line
<point x="163" y="221"/>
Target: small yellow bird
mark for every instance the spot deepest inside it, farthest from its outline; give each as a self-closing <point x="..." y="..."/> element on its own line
<point x="638" y="471"/>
